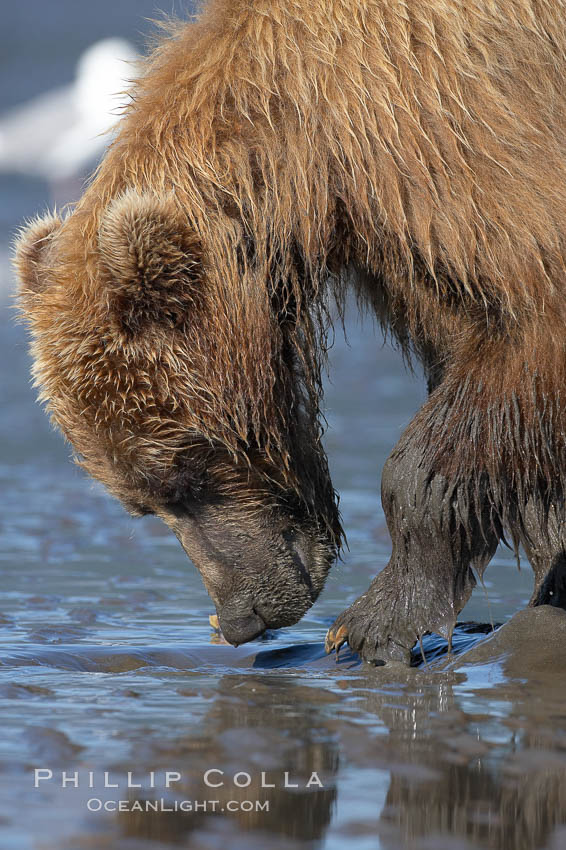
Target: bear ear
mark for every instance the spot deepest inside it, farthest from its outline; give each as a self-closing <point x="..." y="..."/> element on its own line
<point x="153" y="261"/>
<point x="31" y="258"/>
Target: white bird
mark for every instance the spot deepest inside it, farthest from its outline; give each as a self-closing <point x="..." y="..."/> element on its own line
<point x="60" y="135"/>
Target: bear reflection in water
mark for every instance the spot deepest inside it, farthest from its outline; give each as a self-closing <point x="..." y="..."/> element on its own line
<point x="413" y="785"/>
<point x="420" y="759"/>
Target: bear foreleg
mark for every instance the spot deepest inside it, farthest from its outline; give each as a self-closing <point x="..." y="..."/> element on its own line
<point x="440" y="531"/>
<point x="540" y="525"/>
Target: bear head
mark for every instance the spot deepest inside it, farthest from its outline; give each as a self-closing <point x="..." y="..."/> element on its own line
<point x="188" y="385"/>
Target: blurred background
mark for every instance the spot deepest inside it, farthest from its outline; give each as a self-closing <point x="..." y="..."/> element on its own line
<point x="42" y="53"/>
<point x="106" y="658"/>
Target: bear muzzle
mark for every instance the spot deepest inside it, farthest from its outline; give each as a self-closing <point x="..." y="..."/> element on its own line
<point x="260" y="574"/>
<point x="239" y="622"/>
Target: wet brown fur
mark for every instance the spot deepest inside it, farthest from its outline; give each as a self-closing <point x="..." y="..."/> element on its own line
<point x="273" y="153"/>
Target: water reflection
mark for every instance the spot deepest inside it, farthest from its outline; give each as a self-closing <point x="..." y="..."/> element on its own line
<point x="413" y="758"/>
<point x="255" y="736"/>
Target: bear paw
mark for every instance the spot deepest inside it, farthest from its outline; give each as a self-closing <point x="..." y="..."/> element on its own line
<point x="366" y="627"/>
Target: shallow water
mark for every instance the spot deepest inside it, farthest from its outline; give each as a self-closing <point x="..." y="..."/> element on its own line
<point x="107" y="662"/>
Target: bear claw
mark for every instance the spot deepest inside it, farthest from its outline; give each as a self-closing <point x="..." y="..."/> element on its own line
<point x="335" y="639"/>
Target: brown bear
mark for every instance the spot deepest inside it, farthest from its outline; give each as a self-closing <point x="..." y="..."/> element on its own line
<point x="274" y="155"/>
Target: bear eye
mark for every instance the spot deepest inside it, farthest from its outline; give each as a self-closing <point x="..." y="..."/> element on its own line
<point x="137" y="509"/>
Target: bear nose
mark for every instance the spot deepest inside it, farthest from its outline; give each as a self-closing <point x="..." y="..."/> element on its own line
<point x="239" y="626"/>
